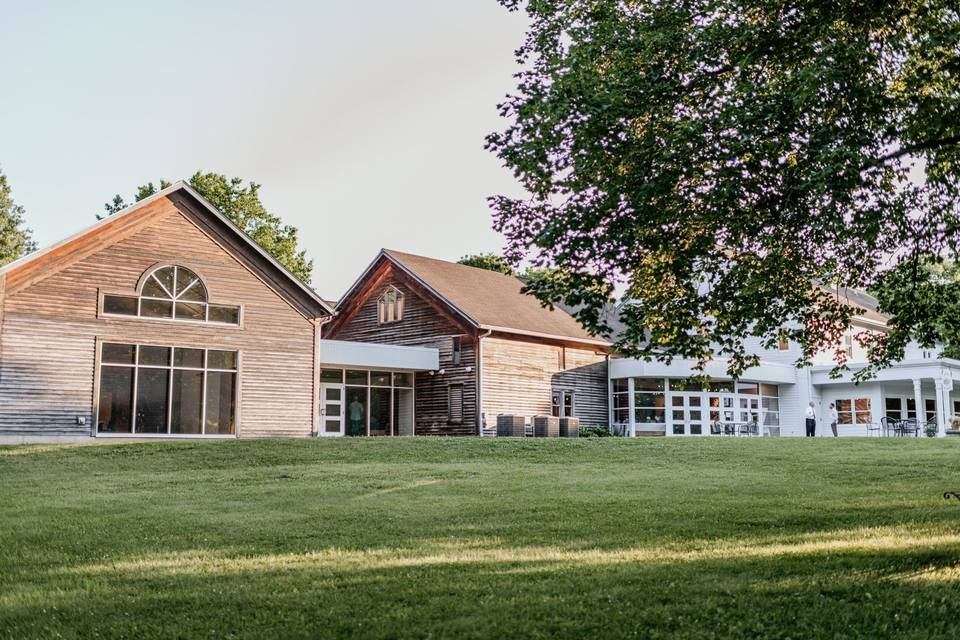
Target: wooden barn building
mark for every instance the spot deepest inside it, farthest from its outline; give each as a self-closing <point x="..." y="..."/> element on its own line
<point x="165" y="320"/>
<point x="500" y="351"/>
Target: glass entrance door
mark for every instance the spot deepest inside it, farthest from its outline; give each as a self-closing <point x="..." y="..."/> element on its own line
<point x="331" y="409"/>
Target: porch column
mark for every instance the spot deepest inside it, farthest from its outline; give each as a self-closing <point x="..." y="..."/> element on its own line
<point x="667" y="408"/>
<point x="943" y="406"/>
<point x="918" y="401"/>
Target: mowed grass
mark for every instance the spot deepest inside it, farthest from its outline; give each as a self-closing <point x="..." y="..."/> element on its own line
<point x="492" y="538"/>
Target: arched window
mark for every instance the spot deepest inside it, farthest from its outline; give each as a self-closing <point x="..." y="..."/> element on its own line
<point x="390" y="306"/>
<point x="172" y="293"/>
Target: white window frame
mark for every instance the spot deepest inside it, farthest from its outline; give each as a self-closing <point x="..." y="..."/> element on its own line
<point x="174" y="299"/>
<point x="136" y="367"/>
<point x="390" y="306"/>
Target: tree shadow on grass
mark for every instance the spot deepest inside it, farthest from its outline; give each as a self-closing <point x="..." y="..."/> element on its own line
<point x="887" y="583"/>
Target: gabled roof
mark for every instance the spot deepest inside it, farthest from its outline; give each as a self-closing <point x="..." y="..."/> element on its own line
<point x="486" y="299"/>
<point x="861" y="299"/>
<point x="177" y="189"/>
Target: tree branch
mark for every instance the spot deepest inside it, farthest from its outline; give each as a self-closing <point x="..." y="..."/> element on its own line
<point x="920" y="146"/>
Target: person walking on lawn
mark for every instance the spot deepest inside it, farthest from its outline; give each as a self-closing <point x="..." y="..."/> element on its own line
<point x="811" y="420"/>
<point x="834" y="419"/>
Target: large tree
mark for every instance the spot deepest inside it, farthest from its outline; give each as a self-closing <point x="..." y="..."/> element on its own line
<point x="733" y="164"/>
<point x="240" y="203"/>
<point x="15" y="238"/>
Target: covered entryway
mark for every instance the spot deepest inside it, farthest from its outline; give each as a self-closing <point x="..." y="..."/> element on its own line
<point x="368" y="389"/>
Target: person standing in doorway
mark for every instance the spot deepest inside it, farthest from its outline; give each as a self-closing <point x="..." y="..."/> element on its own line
<point x="356" y="417"/>
<point x="834" y="418"/>
<point x="811" y="420"/>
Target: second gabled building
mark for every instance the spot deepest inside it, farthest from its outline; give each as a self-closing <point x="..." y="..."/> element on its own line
<point x="501" y="352"/>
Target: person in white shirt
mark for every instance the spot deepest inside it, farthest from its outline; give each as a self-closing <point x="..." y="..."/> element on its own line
<point x="811" y="420"/>
<point x="834" y="419"/>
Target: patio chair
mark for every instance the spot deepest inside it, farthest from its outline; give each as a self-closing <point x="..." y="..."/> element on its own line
<point x="749" y="429"/>
<point x="910" y="425"/>
<point x="729" y="429"/>
<point x="888" y="426"/>
<point x="716" y="429"/>
<point x="932" y="422"/>
<point x="873" y="427"/>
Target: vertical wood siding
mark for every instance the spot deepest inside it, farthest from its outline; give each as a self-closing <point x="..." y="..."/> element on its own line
<point x="422" y="326"/>
<point x="520" y="376"/>
<point x="50" y="326"/>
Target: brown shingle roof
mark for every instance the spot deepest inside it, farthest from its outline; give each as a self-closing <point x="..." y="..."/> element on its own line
<point x="491" y="300"/>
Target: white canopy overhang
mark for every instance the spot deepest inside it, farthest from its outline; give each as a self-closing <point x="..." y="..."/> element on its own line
<point x="372" y="355"/>
<point x="770" y="372"/>
<point x="943" y="368"/>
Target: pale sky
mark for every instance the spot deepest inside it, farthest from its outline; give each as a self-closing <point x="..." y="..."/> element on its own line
<point x="363" y="121"/>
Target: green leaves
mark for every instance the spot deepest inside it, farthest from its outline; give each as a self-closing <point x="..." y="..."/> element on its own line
<point x="15" y="238"/>
<point x="718" y="158"/>
<point x="241" y="204"/>
<point x="488" y="261"/>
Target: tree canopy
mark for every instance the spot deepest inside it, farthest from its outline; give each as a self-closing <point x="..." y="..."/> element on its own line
<point x="15" y="238"/>
<point x="734" y="164"/>
<point x="241" y="204"/>
<point x="488" y="261"/>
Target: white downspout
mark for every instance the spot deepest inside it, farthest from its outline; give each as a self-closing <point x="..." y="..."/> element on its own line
<point x="480" y="380"/>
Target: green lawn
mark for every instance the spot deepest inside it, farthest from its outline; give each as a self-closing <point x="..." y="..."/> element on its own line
<point x="385" y="538"/>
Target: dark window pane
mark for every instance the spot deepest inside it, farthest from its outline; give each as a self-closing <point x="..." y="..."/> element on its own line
<point x="649" y="415"/>
<point x="620" y="385"/>
<point x="648" y="384"/>
<point x="165" y="277"/>
<point x="156" y="308"/>
<point x="356" y="411"/>
<point x="191" y="311"/>
<point x="152" y="387"/>
<point x="380" y="412"/>
<point x="751" y="388"/>
<point x="120" y="305"/>
<point x="721" y="386"/>
<point x="227" y="315"/>
<point x="221" y="359"/>
<point x="403" y="412"/>
<point x="187" y="409"/>
<point x="118" y="353"/>
<point x="116" y="399"/>
<point x="403" y="379"/>
<point x="188" y="358"/>
<point x="189" y="286"/>
<point x="331" y="375"/>
<point x="156" y="356"/>
<point x="380" y="378"/>
<point x="646" y="399"/>
<point x="356" y="377"/>
<point x="221" y="399"/>
<point x="153" y="289"/>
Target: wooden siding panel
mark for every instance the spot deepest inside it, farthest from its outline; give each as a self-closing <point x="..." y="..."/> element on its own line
<point x="422" y="326"/>
<point x="519" y="377"/>
<point x="50" y="327"/>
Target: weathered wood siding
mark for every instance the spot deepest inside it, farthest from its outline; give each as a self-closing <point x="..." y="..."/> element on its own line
<point x="520" y="375"/>
<point x="423" y="325"/>
<point x="50" y="325"/>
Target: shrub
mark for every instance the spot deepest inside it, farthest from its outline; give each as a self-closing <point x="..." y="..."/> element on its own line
<point x="595" y="432"/>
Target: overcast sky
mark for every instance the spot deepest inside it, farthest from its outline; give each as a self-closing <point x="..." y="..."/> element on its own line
<point x="363" y="121"/>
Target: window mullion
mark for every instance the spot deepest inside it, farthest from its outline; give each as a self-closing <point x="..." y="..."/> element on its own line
<point x="203" y="400"/>
<point x="136" y="385"/>
<point x="170" y="395"/>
